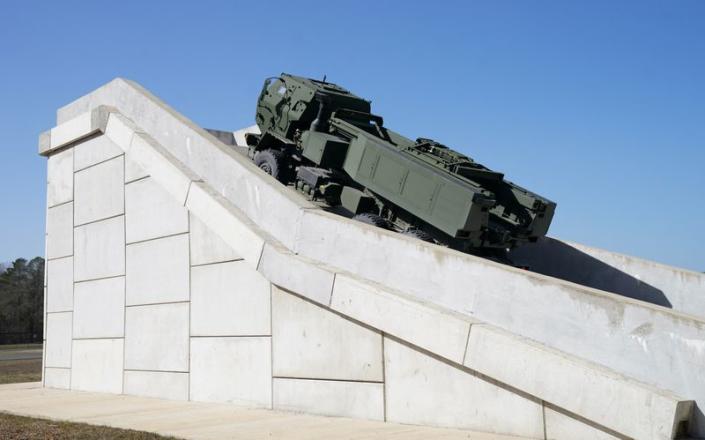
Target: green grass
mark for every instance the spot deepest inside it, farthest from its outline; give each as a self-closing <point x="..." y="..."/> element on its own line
<point x="20" y="346"/>
<point x="26" y="428"/>
<point x="26" y="370"/>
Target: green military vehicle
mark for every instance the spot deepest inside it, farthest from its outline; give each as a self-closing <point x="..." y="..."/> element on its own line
<point x="324" y="141"/>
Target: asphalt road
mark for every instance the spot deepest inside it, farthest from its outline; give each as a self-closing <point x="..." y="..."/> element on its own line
<point x="21" y="354"/>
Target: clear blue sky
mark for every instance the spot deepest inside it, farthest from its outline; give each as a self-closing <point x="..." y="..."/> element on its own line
<point x="598" y="105"/>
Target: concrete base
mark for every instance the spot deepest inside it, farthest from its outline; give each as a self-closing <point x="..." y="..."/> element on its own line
<point x="319" y="314"/>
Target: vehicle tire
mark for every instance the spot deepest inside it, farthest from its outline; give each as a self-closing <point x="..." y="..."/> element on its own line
<point x="273" y="162"/>
<point x="372" y="219"/>
<point x="419" y="235"/>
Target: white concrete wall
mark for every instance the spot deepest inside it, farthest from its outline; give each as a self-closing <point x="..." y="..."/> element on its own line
<point x="250" y="350"/>
<point x="652" y="344"/>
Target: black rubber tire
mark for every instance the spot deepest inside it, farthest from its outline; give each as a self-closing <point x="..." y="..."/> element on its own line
<point x="273" y="162"/>
<point x="419" y="235"/>
<point x="372" y="219"/>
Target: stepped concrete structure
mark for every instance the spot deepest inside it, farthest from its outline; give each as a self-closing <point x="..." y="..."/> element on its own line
<point x="178" y="270"/>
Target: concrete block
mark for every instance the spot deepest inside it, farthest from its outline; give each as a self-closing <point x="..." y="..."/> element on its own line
<point x="297" y="274"/>
<point x="97" y="365"/>
<point x="229" y="299"/>
<point x="423" y="390"/>
<point x="157" y="384"/>
<point x="311" y="342"/>
<point x="93" y="151"/>
<point x="236" y="370"/>
<point x="57" y="378"/>
<point x="60" y="177"/>
<point x="159" y="163"/>
<point x="71" y="130"/>
<point x="157" y="337"/>
<point x="151" y="212"/>
<point x="99" y="191"/>
<point x="230" y="173"/>
<point x="58" y="345"/>
<point x="649" y="343"/>
<point x="60" y="285"/>
<point x="60" y="231"/>
<point x="120" y="130"/>
<point x="206" y="246"/>
<point x="158" y="271"/>
<point x="232" y="226"/>
<point x="99" y="309"/>
<point x="133" y="171"/>
<point x="358" y="400"/>
<point x="419" y="323"/>
<point x="560" y="427"/>
<point x="100" y="249"/>
<point x="239" y="135"/>
<point x="634" y="409"/>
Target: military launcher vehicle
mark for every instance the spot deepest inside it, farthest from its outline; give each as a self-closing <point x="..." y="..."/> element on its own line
<point x="325" y="141"/>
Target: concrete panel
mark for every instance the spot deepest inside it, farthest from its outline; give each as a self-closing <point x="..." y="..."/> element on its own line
<point x="561" y="427"/>
<point x="71" y="130"/>
<point x="151" y="212"/>
<point x="94" y="150"/>
<point x="120" y="130"/>
<point x="206" y="246"/>
<point x="97" y="365"/>
<point x="649" y="343"/>
<point x="57" y="378"/>
<point x="157" y="337"/>
<point x="236" y="370"/>
<point x="60" y="177"/>
<point x="297" y="274"/>
<point x="99" y="309"/>
<point x="99" y="191"/>
<point x="232" y="226"/>
<point x="423" y="390"/>
<point x="158" y="384"/>
<point x="255" y="193"/>
<point x="159" y="163"/>
<point x="229" y="299"/>
<point x="158" y="271"/>
<point x="358" y="400"/>
<point x="60" y="231"/>
<point x="60" y="285"/>
<point x="58" y="345"/>
<point x="311" y="342"/>
<point x="624" y="405"/>
<point x="239" y="135"/>
<point x="422" y="324"/>
<point x="100" y="249"/>
<point x="133" y="171"/>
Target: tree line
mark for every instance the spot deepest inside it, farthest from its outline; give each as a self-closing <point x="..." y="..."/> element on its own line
<point x="22" y="301"/>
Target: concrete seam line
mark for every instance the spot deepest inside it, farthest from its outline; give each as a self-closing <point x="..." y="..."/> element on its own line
<point x="99" y="220"/>
<point x="98" y="279"/>
<point x="332" y="289"/>
<point x="188" y="192"/>
<point x="373" y="382"/>
<point x="88" y="167"/>
<point x="137" y="179"/>
<point x="467" y="343"/>
<point x="157" y="304"/>
<point x="156" y="238"/>
<point x="124" y="290"/>
<point x="543" y="416"/>
<point x="60" y="204"/>
<point x="234" y="260"/>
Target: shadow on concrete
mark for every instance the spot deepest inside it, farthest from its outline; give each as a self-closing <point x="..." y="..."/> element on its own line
<point x="557" y="259"/>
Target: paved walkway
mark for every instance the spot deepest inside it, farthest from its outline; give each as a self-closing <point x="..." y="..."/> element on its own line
<point x="21" y="354"/>
<point x="194" y="420"/>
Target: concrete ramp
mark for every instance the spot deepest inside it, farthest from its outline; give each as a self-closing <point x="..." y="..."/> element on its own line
<point x="178" y="270"/>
